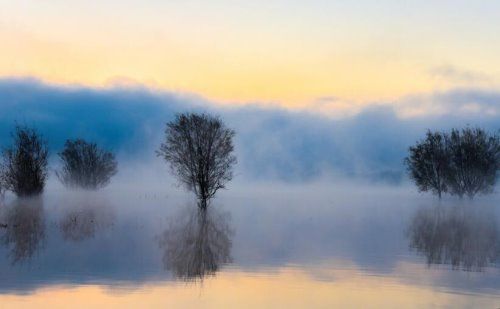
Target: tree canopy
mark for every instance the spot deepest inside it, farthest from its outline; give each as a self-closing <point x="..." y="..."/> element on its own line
<point x="24" y="165"/>
<point x="462" y="162"/>
<point x="199" y="149"/>
<point x="85" y="165"/>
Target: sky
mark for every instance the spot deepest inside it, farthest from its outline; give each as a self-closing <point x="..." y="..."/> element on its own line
<point x="335" y="55"/>
<point x="311" y="87"/>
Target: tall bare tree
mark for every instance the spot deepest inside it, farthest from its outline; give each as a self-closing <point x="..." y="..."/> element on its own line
<point x="474" y="157"/>
<point x="427" y="163"/>
<point x="85" y="165"/>
<point x="199" y="148"/>
<point x="24" y="166"/>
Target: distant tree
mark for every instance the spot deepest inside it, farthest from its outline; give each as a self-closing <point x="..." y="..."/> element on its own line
<point x="427" y="163"/>
<point x="474" y="160"/>
<point x="24" y="165"/>
<point x="199" y="148"/>
<point x="85" y="165"/>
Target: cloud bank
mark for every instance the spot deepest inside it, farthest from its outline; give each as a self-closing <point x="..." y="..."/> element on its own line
<point x="271" y="143"/>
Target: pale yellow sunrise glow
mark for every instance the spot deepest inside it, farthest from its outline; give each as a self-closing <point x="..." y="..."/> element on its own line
<point x="269" y="53"/>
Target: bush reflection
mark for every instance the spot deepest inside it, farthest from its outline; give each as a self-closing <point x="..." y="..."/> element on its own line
<point x="23" y="225"/>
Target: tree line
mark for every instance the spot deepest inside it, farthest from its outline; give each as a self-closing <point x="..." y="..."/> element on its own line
<point x="199" y="149"/>
<point x="462" y="162"/>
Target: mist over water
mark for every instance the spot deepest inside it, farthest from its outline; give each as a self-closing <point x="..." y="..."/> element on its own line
<point x="318" y="206"/>
<point x="123" y="238"/>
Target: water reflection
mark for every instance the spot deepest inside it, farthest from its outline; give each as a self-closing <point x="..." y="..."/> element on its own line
<point x="464" y="236"/>
<point x="196" y="243"/>
<point x="82" y="220"/>
<point x="23" y="225"/>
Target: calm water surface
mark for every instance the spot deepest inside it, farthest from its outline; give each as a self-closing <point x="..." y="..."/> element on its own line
<point x="284" y="248"/>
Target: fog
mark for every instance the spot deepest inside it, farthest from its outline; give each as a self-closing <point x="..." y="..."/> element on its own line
<point x="311" y="192"/>
<point x="272" y="144"/>
<point x="120" y="237"/>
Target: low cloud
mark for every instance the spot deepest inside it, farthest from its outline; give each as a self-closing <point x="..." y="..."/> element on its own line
<point x="271" y="143"/>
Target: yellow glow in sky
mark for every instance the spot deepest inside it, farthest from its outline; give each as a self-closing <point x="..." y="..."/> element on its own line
<point x="285" y="52"/>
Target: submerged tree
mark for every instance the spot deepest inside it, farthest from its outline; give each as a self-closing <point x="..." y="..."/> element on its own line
<point x="85" y="165"/>
<point x="24" y="166"/>
<point x="199" y="148"/>
<point x="427" y="163"/>
<point x="474" y="157"/>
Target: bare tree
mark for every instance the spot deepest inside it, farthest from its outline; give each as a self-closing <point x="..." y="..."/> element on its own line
<point x="85" y="165"/>
<point x="427" y="163"/>
<point x="199" y="148"/>
<point x="24" y="166"/>
<point x="474" y="157"/>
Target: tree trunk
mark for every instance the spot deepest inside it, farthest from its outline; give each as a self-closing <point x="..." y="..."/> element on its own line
<point x="202" y="203"/>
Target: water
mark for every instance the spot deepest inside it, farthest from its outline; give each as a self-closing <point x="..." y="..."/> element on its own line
<point x="278" y="247"/>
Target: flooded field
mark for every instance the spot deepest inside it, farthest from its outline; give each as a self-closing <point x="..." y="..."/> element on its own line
<point x="280" y="247"/>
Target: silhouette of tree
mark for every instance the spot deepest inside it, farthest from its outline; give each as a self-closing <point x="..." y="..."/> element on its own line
<point x="24" y="166"/>
<point x="474" y="159"/>
<point x="85" y="165"/>
<point x="199" y="148"/>
<point x="427" y="163"/>
<point x="462" y="162"/>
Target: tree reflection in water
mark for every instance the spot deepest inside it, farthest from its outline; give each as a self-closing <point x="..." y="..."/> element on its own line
<point x="23" y="225"/>
<point x="83" y="219"/>
<point x="464" y="236"/>
<point x="196" y="243"/>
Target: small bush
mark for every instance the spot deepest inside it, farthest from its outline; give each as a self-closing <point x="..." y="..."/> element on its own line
<point x="24" y="166"/>
<point x="85" y="165"/>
